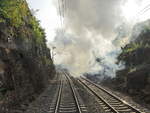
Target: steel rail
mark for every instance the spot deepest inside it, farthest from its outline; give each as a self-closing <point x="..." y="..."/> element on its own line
<point x="59" y="97"/>
<point x="74" y="93"/>
<point x="99" y="97"/>
<point x="112" y="95"/>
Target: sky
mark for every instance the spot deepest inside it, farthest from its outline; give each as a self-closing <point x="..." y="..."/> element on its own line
<point x="47" y="14"/>
<point x="93" y="29"/>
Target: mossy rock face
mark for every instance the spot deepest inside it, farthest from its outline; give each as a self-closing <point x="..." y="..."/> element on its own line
<point x="15" y="13"/>
<point x="27" y="61"/>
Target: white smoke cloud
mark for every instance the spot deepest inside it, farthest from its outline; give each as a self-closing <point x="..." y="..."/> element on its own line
<point x="91" y="26"/>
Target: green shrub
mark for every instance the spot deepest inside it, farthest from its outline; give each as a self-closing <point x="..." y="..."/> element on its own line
<point x="38" y="31"/>
<point x="14" y="11"/>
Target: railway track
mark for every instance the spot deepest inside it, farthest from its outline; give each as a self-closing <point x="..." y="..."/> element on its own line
<point x="66" y="99"/>
<point x="108" y="101"/>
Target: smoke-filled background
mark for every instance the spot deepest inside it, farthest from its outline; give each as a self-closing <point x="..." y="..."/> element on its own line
<point x="93" y="31"/>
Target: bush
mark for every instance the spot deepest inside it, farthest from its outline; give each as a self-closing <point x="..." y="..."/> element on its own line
<point x="14" y="11"/>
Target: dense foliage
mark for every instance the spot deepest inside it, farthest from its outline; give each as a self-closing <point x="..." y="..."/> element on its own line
<point x="13" y="12"/>
<point x="136" y="53"/>
<point x="135" y="77"/>
<point x="16" y="13"/>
